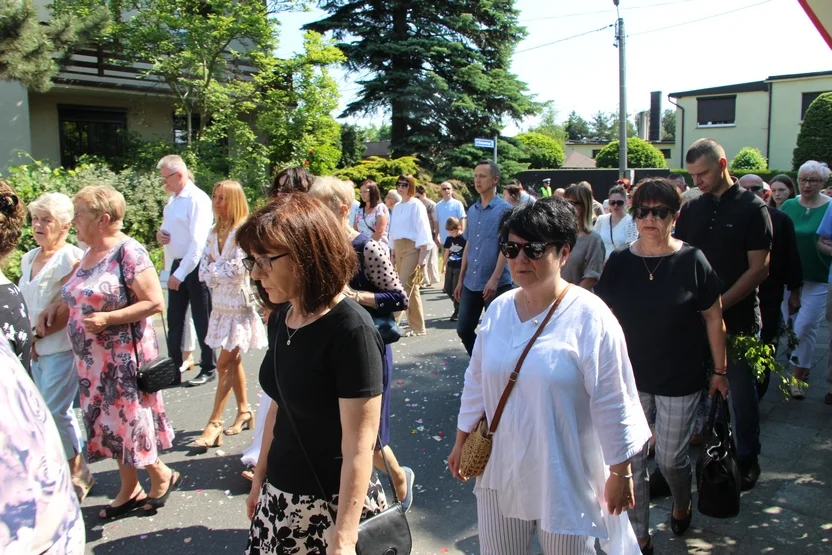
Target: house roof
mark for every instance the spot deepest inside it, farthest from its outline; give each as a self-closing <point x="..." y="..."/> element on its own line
<point x="754" y="86"/>
<point x="577" y="160"/>
<point x="799" y="75"/>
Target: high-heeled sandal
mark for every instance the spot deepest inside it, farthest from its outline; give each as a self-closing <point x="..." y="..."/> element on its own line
<point x="213" y="440"/>
<point x="83" y="485"/>
<point x="244" y="421"/>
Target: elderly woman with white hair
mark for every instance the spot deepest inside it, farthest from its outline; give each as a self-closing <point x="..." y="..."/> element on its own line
<point x="44" y="270"/>
<point x="808" y="211"/>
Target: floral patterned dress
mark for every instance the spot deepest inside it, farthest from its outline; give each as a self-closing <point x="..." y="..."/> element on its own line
<point x="122" y="422"/>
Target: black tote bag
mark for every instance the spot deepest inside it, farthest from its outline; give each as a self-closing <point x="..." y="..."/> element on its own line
<point x="717" y="470"/>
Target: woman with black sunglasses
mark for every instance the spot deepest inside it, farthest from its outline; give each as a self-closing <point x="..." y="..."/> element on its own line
<point x="617" y="229"/>
<point x="656" y="288"/>
<point x="586" y="259"/>
<point x="560" y="460"/>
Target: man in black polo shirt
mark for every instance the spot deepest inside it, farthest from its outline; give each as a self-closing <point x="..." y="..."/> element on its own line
<point x="732" y="227"/>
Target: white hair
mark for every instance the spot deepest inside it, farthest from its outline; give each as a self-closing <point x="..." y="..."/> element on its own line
<point x="333" y="192"/>
<point x="175" y="163"/>
<point x="814" y="167"/>
<point x="57" y="205"/>
<point x="395" y="194"/>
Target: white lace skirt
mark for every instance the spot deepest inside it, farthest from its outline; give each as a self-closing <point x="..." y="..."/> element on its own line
<point x="236" y="327"/>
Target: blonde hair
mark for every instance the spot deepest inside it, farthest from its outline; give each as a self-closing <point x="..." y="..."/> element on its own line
<point x="57" y="205"/>
<point x="236" y="206"/>
<point x="103" y="199"/>
<point x="582" y="193"/>
<point x="333" y="192"/>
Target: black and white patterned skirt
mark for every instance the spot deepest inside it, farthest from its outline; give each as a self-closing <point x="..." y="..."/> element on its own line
<point x="292" y="524"/>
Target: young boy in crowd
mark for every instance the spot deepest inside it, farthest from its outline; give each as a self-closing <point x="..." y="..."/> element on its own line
<point x="454" y="245"/>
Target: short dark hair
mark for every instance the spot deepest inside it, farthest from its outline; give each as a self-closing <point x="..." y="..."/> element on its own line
<point x="549" y="220"/>
<point x="675" y="176"/>
<point x="12" y="218"/>
<point x="295" y="180"/>
<point x="617" y="190"/>
<point x="452" y="223"/>
<point x="658" y="190"/>
<point x="514" y="191"/>
<point x="373" y="190"/>
<point x="708" y="148"/>
<point x="420" y="189"/>
<point x="318" y="247"/>
<point x="492" y="167"/>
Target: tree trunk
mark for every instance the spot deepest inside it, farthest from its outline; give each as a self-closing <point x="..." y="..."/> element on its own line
<point x="400" y="67"/>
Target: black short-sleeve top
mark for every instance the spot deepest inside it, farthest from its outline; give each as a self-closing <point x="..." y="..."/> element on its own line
<point x="338" y="356"/>
<point x="661" y="317"/>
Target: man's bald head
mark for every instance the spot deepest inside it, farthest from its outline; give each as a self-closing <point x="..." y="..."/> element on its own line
<point x="753" y="183"/>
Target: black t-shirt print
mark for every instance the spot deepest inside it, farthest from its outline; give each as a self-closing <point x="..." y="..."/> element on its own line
<point x="336" y="357"/>
<point x="455" y="246"/>
<point x="661" y="318"/>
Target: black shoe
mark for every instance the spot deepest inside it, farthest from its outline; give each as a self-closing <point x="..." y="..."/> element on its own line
<point x="202" y="379"/>
<point x="679" y="527"/>
<point x="750" y="474"/>
<point x="648" y="547"/>
<point x="658" y="485"/>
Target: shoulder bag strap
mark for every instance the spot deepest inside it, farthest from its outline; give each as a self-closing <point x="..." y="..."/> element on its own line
<point x="283" y="406"/>
<point x="513" y="377"/>
<point x="611" y="238"/>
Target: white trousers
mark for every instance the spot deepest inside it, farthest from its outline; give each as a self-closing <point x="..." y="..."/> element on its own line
<point x="807" y="321"/>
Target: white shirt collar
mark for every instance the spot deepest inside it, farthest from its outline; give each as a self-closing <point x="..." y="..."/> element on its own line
<point x="186" y="191"/>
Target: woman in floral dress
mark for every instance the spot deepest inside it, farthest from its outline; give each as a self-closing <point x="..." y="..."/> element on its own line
<point x="122" y="422"/>
<point x="234" y="326"/>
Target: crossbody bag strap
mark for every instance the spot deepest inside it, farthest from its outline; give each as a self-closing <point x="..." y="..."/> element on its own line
<point x="284" y="406"/>
<point x="513" y="377"/>
<point x="127" y="295"/>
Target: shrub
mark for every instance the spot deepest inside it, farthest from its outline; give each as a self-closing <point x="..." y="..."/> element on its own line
<point x="766" y="175"/>
<point x="543" y="152"/>
<point x="814" y="142"/>
<point x="640" y="154"/>
<point x="748" y="159"/>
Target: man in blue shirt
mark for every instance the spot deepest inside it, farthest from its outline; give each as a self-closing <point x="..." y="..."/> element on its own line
<point x="484" y="275"/>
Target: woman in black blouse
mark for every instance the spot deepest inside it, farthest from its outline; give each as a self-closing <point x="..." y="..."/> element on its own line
<point x="667" y="298"/>
<point x="324" y="369"/>
<point x="14" y="320"/>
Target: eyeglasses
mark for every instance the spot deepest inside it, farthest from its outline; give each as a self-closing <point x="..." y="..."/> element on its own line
<point x="616" y="203"/>
<point x="264" y="263"/>
<point x="533" y="251"/>
<point x="812" y="181"/>
<point x="660" y="212"/>
<point x="165" y="177"/>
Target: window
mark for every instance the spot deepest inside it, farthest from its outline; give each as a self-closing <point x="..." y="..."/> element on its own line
<point x="665" y="152"/>
<point x="92" y="131"/>
<point x="808" y="98"/>
<point x="716" y="110"/>
<point x="180" y="128"/>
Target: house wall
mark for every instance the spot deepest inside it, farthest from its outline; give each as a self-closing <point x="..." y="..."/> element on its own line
<point x="786" y="101"/>
<point x="588" y="149"/>
<point x="14" y="120"/>
<point x="149" y="116"/>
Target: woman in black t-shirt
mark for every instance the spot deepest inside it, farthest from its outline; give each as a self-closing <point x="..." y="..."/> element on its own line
<point x="667" y="298"/>
<point x="324" y="369"/>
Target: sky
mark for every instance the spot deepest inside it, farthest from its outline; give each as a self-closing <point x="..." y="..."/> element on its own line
<point x="667" y="50"/>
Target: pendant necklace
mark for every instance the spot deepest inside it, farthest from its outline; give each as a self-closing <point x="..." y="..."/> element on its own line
<point x="291" y="335"/>
<point x="646" y="267"/>
<point x="528" y="309"/>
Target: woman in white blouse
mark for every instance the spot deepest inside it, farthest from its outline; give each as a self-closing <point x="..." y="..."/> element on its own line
<point x="560" y="462"/>
<point x="372" y="217"/>
<point x="410" y="236"/>
<point x="44" y="270"/>
<point x="617" y="229"/>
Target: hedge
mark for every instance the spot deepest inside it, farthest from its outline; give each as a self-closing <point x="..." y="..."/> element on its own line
<point x="766" y="175"/>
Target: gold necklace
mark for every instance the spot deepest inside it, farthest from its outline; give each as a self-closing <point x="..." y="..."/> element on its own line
<point x="528" y="309"/>
<point x="646" y="267"/>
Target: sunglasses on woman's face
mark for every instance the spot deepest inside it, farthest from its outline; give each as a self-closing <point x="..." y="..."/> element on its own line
<point x="574" y="202"/>
<point x="659" y="212"/>
<point x="616" y="203"/>
<point x="402" y="184"/>
<point x="533" y="251"/>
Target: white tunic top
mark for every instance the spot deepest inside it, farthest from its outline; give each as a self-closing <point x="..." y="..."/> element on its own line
<point x="45" y="288"/>
<point x="573" y="412"/>
<point x="624" y="232"/>
<point x="410" y="221"/>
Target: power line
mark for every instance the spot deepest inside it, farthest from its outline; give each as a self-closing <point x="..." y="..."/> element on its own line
<point x="565" y="39"/>
<point x="563" y="16"/>
<point x="698" y="20"/>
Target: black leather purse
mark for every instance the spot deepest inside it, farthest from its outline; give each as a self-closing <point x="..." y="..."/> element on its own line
<point x="386" y="533"/>
<point x="717" y="470"/>
<point x="386" y="326"/>
<point x="160" y="372"/>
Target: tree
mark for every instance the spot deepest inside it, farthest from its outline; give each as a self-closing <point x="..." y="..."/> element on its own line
<point x="602" y="126"/>
<point x="352" y="145"/>
<point x="576" y="127"/>
<point x="440" y="69"/>
<point x="549" y="126"/>
<point x="749" y="159"/>
<point x="814" y="142"/>
<point x="28" y="50"/>
<point x="669" y="125"/>
<point x="640" y="154"/>
<point x="377" y="133"/>
<point x="632" y="131"/>
<point x="542" y="151"/>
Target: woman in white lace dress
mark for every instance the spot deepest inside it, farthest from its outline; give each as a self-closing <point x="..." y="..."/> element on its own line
<point x="235" y="327"/>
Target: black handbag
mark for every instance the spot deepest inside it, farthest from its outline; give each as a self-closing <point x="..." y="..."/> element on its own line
<point x="160" y="372"/>
<point x="386" y="325"/>
<point x="386" y="533"/>
<point x="717" y="470"/>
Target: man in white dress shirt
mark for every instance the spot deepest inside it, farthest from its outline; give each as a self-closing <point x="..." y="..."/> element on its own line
<point x="186" y="225"/>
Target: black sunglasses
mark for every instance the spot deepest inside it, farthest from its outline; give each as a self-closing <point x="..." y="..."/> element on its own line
<point x="264" y="263"/>
<point x="574" y="202"/>
<point x="755" y="188"/>
<point x="660" y="212"/>
<point x="533" y="251"/>
<point x="402" y="184"/>
<point x="616" y="203"/>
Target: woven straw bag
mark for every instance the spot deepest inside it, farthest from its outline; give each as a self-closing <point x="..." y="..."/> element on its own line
<point x="477" y="447"/>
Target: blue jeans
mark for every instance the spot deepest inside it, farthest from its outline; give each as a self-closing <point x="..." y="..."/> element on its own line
<point x="56" y="377"/>
<point x="745" y="402"/>
<point x="471" y="305"/>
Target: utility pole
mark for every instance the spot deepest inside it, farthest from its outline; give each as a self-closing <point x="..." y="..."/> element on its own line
<point x="495" y="148"/>
<point x="622" y="94"/>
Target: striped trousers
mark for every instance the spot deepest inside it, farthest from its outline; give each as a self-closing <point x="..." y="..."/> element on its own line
<point x="675" y="418"/>
<point x="500" y="535"/>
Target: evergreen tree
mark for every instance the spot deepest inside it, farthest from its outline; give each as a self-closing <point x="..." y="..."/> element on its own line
<point x="352" y="145"/>
<point x="440" y="69"/>
<point x="669" y="125"/>
<point x="814" y="142"/>
<point x="549" y="126"/>
<point x="576" y="127"/>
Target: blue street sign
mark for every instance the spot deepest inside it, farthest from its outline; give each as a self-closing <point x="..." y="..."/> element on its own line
<point x="484" y="143"/>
